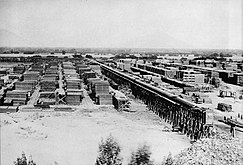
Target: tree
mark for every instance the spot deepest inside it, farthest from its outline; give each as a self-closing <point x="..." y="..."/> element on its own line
<point x="88" y="56"/>
<point x="109" y="151"/>
<point x="141" y="156"/>
<point x="168" y="160"/>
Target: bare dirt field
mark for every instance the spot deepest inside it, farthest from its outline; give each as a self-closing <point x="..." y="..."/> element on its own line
<point x="73" y="138"/>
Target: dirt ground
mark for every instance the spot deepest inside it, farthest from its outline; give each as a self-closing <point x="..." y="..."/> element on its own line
<point x="72" y="138"/>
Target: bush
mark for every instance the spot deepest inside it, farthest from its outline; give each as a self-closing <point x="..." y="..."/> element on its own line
<point x="141" y="156"/>
<point x="23" y="160"/>
<point x="109" y="152"/>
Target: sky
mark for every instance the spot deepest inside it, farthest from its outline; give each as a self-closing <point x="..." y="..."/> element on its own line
<point x="194" y="24"/>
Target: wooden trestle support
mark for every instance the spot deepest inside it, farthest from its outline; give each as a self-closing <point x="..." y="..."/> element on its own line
<point x="190" y="120"/>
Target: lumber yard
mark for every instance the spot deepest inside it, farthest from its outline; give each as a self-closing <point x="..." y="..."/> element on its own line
<point x="180" y="97"/>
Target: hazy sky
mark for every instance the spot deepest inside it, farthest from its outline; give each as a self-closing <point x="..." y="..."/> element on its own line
<point x="122" y="23"/>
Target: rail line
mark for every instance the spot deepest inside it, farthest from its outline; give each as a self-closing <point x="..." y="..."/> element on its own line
<point x="183" y="115"/>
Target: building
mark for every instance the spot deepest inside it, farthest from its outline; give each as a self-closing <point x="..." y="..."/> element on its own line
<point x="190" y="76"/>
<point x="238" y="79"/>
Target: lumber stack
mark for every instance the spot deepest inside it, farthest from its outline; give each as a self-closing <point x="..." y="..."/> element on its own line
<point x="73" y="83"/>
<point x="48" y="85"/>
<point x="25" y="85"/>
<point x="64" y="109"/>
<point x="90" y="82"/>
<point x="1" y="99"/>
<point x="88" y="75"/>
<point x="8" y="102"/>
<point x="51" y="71"/>
<point x="47" y="98"/>
<point x="14" y="76"/>
<point x="95" y="67"/>
<point x="19" y="69"/>
<point x="101" y="91"/>
<point x="49" y="81"/>
<point x="104" y="99"/>
<point x="73" y="98"/>
<point x="101" y="87"/>
<point x="80" y="65"/>
<point x="4" y="71"/>
<point x="8" y="109"/>
<point x="68" y="73"/>
<point x="82" y="70"/>
<point x="69" y="70"/>
<point x="46" y="101"/>
<point x="199" y="78"/>
<point x="78" y="91"/>
<point x="224" y="107"/>
<point x="1" y="82"/>
<point x="68" y="65"/>
<point x="37" y="68"/>
<point x="31" y="75"/>
<point x="49" y="94"/>
<point x="19" y="97"/>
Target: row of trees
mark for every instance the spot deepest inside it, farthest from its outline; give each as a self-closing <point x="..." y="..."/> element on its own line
<point x="109" y="154"/>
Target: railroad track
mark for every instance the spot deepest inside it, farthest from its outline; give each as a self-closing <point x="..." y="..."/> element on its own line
<point x="191" y="120"/>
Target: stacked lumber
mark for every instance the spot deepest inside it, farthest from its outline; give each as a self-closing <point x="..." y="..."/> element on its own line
<point x="104" y="99"/>
<point x="1" y="82"/>
<point x="73" y="83"/>
<point x="73" y="98"/>
<point x="17" y="94"/>
<point x="88" y="75"/>
<point x="25" y="85"/>
<point x="64" y="109"/>
<point x="47" y="98"/>
<point x="19" y="97"/>
<point x="80" y="65"/>
<point x="31" y="109"/>
<point x="8" y="109"/>
<point x="51" y="76"/>
<point x="119" y="100"/>
<point x="70" y="73"/>
<point x="48" y="85"/>
<point x="4" y="71"/>
<point x="82" y="70"/>
<point x="187" y="90"/>
<point x="1" y="99"/>
<point x="51" y="71"/>
<point x="68" y="66"/>
<point x="37" y="68"/>
<point x="19" y="69"/>
<point x="14" y="76"/>
<point x="90" y="82"/>
<point x="31" y="75"/>
<point x="96" y="69"/>
<point x="46" y="101"/>
<point x="224" y="107"/>
<point x="238" y="79"/>
<point x="101" y="87"/>
<point x="50" y="95"/>
<point x="8" y="102"/>
<point x="78" y="91"/>
<point x="19" y="101"/>
<point x="49" y="80"/>
<point x="199" y="78"/>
